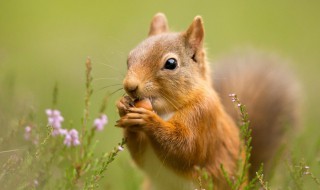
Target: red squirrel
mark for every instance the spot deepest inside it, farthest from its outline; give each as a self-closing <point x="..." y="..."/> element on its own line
<point x="181" y="123"/>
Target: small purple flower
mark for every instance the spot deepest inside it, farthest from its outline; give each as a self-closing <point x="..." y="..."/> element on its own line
<point x="100" y="122"/>
<point x="63" y="131"/>
<point x="55" y="132"/>
<point x="71" y="138"/>
<point x="27" y="132"/>
<point x="54" y="119"/>
<point x="59" y="131"/>
<point x="120" y="148"/>
<point x="239" y="105"/>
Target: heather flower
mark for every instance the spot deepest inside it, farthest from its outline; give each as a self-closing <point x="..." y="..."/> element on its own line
<point x="54" y="119"/>
<point x="59" y="131"/>
<point x="71" y="138"/>
<point x="55" y="131"/>
<point x="63" y="131"/>
<point x="100" y="122"/>
<point x="120" y="148"/>
<point x="27" y="132"/>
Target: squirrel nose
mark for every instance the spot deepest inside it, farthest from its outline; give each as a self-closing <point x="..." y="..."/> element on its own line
<point x="131" y="88"/>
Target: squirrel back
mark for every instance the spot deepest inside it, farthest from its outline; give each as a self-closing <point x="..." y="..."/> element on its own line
<point x="270" y="93"/>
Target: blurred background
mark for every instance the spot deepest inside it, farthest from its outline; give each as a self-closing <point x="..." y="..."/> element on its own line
<point x="44" y="42"/>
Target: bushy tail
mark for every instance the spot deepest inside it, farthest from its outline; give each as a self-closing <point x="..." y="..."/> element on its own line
<point x="270" y="94"/>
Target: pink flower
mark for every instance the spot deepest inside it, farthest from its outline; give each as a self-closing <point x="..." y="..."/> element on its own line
<point x="120" y="148"/>
<point x="27" y="132"/>
<point x="71" y="138"/>
<point x="63" y="131"/>
<point x="54" y="119"/>
<point x="100" y="122"/>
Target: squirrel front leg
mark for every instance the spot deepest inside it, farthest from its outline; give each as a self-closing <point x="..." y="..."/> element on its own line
<point x="136" y="140"/>
<point x="172" y="141"/>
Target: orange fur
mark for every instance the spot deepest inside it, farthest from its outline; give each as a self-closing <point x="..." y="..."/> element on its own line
<point x="199" y="133"/>
<point x="188" y="127"/>
<point x="271" y="96"/>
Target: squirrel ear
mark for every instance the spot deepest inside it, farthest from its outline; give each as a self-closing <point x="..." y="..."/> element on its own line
<point x="195" y="33"/>
<point x="158" y="24"/>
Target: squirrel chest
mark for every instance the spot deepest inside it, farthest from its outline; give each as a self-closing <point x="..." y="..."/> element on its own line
<point x="159" y="175"/>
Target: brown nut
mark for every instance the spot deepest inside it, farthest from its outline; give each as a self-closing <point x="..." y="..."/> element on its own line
<point x="144" y="103"/>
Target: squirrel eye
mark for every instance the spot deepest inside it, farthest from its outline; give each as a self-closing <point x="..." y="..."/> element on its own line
<point x="171" y="64"/>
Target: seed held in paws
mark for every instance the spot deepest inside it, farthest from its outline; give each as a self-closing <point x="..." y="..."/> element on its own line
<point x="144" y="103"/>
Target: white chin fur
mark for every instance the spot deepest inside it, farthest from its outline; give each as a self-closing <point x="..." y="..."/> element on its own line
<point x="167" y="116"/>
<point x="161" y="107"/>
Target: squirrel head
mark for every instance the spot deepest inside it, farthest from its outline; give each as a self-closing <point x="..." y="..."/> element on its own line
<point x="168" y="68"/>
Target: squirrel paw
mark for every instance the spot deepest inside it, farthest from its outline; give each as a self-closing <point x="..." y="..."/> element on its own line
<point x="123" y="105"/>
<point x="138" y="118"/>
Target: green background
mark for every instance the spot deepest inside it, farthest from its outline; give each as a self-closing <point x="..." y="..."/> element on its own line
<point x="43" y="42"/>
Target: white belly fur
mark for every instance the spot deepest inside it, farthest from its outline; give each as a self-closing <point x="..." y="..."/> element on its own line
<point x="161" y="177"/>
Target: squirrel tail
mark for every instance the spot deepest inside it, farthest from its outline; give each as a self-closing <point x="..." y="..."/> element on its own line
<point x="269" y="92"/>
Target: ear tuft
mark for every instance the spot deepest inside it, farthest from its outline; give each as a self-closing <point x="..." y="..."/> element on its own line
<point x="158" y="24"/>
<point x="195" y="33"/>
